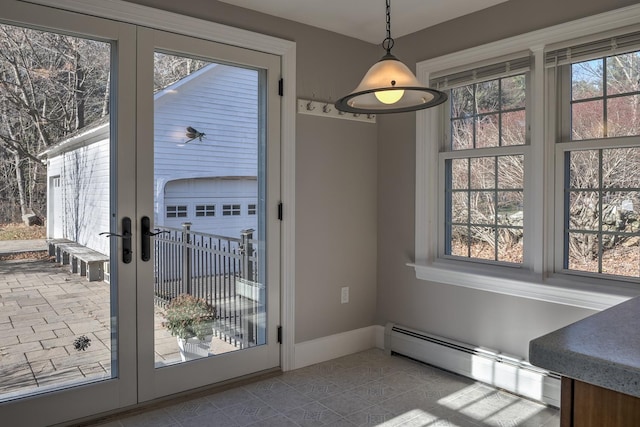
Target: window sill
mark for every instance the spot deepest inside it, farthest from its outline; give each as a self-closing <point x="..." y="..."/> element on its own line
<point x="575" y="291"/>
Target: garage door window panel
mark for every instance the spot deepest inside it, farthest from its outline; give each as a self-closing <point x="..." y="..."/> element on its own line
<point x="179" y="211"/>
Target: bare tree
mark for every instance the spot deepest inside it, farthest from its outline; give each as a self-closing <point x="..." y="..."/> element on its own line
<point x="50" y="86"/>
<point x="168" y="69"/>
<point x="490" y="196"/>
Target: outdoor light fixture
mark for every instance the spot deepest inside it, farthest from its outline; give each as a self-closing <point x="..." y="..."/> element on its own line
<point x="389" y="86"/>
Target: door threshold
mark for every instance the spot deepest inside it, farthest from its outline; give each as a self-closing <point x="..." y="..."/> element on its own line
<point x="172" y="399"/>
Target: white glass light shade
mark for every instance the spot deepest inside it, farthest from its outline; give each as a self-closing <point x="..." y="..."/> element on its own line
<point x="389" y="75"/>
<point x="389" y="96"/>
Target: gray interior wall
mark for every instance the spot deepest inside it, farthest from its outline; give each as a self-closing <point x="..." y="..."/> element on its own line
<point x="335" y="226"/>
<point x="501" y="322"/>
<point x="336" y="174"/>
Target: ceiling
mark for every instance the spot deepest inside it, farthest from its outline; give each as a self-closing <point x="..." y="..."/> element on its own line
<point x="365" y="19"/>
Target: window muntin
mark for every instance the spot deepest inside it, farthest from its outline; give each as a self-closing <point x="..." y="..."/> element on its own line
<point x="601" y="228"/>
<point x="484" y="194"/>
<point x="176" y="211"/>
<point x="205" y="210"/>
<point x="230" y="210"/>
<point x="251" y="209"/>
<point x="489" y="114"/>
<point x="484" y="198"/>
<point x="602" y="217"/>
<point x="605" y="97"/>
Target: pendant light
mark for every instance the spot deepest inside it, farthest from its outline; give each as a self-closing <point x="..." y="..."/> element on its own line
<point x="389" y="86"/>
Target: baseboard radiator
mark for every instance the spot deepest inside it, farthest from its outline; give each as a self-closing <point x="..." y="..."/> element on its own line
<point x="488" y="366"/>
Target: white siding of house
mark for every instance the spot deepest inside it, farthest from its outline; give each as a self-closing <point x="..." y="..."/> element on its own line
<point x="82" y="204"/>
<point x="54" y="216"/>
<point x="222" y="102"/>
<point x="219" y="100"/>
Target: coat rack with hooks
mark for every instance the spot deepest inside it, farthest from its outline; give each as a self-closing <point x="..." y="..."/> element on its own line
<point x="327" y="109"/>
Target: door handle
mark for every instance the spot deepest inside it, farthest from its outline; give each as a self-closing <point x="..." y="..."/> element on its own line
<point x="145" y="249"/>
<point x="126" y="239"/>
<point x="145" y="227"/>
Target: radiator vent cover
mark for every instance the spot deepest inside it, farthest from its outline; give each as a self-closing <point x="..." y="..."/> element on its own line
<point x="500" y="370"/>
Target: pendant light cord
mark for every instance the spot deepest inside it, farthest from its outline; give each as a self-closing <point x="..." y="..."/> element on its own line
<point x="387" y="43"/>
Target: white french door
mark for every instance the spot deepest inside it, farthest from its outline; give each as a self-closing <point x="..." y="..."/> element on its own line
<point x="208" y="188"/>
<point x="187" y="195"/>
<point x="67" y="351"/>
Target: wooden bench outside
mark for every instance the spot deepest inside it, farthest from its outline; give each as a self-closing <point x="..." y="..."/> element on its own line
<point x="82" y="260"/>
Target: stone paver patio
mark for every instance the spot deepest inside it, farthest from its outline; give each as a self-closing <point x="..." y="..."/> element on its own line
<point x="44" y="308"/>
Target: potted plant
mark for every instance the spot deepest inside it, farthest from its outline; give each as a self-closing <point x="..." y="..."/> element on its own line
<point x="190" y="319"/>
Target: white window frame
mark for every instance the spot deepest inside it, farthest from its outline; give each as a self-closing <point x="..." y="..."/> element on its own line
<point x="538" y="278"/>
<point x="446" y="153"/>
<point x="563" y="145"/>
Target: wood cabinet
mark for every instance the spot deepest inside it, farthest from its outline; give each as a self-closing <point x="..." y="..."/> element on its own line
<point x="587" y="405"/>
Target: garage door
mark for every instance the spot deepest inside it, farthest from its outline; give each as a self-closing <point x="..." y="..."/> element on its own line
<point x="222" y="206"/>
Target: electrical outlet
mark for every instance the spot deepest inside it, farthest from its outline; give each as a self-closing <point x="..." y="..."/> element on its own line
<point x="344" y="295"/>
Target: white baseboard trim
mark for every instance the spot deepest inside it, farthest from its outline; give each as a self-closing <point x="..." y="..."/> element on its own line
<point x="517" y="376"/>
<point x="333" y="346"/>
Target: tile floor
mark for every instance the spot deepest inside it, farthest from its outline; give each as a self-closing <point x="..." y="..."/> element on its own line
<point x="364" y="389"/>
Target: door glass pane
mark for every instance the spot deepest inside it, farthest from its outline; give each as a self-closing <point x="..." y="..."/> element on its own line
<point x="208" y="209"/>
<point x="57" y="319"/>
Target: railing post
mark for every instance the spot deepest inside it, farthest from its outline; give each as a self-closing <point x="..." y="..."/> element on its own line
<point x="247" y="250"/>
<point x="186" y="257"/>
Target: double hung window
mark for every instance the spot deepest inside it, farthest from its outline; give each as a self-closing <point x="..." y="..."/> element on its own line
<point x="534" y="163"/>
<point x="482" y="155"/>
<point x="598" y="143"/>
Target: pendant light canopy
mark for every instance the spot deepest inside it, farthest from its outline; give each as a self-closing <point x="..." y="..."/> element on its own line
<point x="389" y="86"/>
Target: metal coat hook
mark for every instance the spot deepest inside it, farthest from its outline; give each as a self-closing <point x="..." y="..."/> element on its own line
<point x="310" y="106"/>
<point x="324" y="108"/>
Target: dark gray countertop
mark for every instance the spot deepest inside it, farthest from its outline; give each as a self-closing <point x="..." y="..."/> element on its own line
<point x="602" y="349"/>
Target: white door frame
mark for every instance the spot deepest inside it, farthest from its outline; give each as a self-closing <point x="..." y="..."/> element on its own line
<point x="179" y="24"/>
<point x="159" y="382"/>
